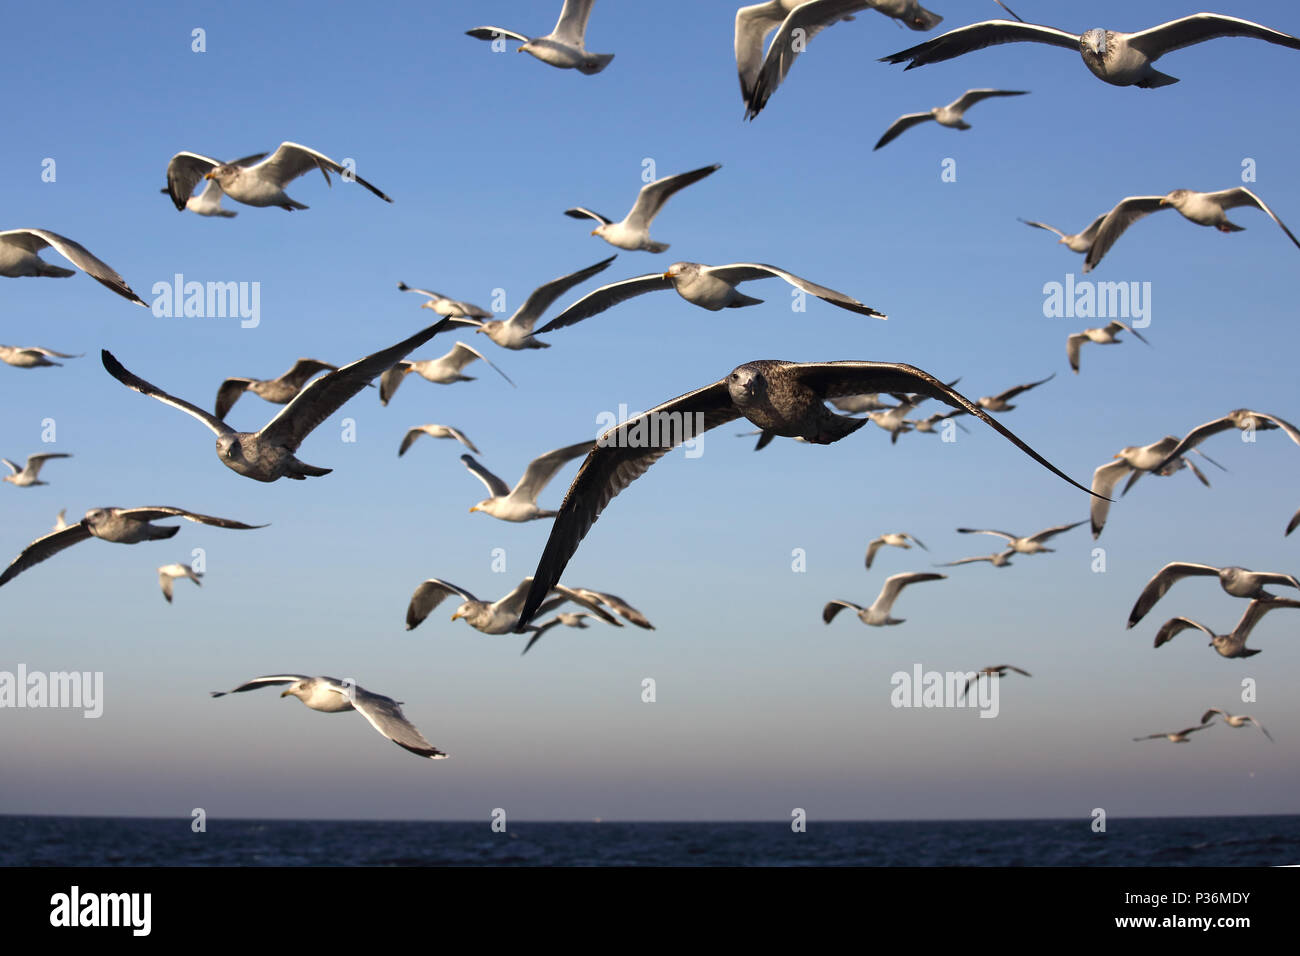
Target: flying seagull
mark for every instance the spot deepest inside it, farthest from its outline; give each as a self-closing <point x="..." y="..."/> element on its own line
<point x="19" y="257"/>
<point x="497" y="617"/>
<point x="634" y="230"/>
<point x="928" y="425"/>
<point x="208" y="202"/>
<point x="617" y="605"/>
<point x="277" y="391"/>
<point x="1178" y="736"/>
<point x="444" y="370"/>
<point x="333" y="696"/>
<point x="1030" y="544"/>
<point x="1243" y="419"/>
<point x="170" y="572"/>
<point x="451" y="308"/>
<point x="1000" y="402"/>
<point x="1131" y="462"/>
<point x="26" y="476"/>
<point x="268" y="454"/>
<point x="878" y="614"/>
<point x="709" y="287"/>
<point x="1238" y="582"/>
<point x="894" y="540"/>
<point x="866" y="402"/>
<point x="950" y="115"/>
<point x="564" y="47"/>
<point x="1121" y="59"/>
<point x="520" y="502"/>
<point x="1204" y="209"/>
<point x="516" y="332"/>
<point x="434" y="431"/>
<point x="32" y="357"/>
<point x="1000" y="560"/>
<point x="1102" y="336"/>
<point x="1079" y="241"/>
<point x="1232" y="644"/>
<point x="259" y="184"/>
<point x="119" y="525"/>
<point x="785" y="398"/>
<point x="1240" y="720"/>
<point x="992" y="672"/>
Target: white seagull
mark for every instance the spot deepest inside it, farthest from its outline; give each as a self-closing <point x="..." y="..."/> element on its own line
<point x="445" y="370"/>
<point x="633" y="232"/>
<point x="1178" y="736"/>
<point x="1239" y="582"/>
<point x="894" y="540"/>
<point x="334" y="696"/>
<point x="1133" y="461"/>
<point x="19" y="257"/>
<point x="950" y="115"/>
<point x="878" y="614"/>
<point x="434" y="431"/>
<point x="26" y="476"/>
<point x="564" y="47"/>
<point x="498" y="617"/>
<point x="1079" y="241"/>
<point x="1243" y="419"/>
<point x="520" y="502"/>
<point x="1240" y="720"/>
<point x="1101" y="336"/>
<point x="1000" y="560"/>
<point x="1232" y="644"/>
<point x="452" y="308"/>
<point x="32" y="356"/>
<point x="1000" y="402"/>
<point x="170" y="572"/>
<point x="1030" y="544"/>
<point x="208" y="202"/>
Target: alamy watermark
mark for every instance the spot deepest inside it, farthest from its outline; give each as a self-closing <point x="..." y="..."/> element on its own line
<point x="208" y="300"/>
<point x="944" y="689"/>
<point x="77" y="690"/>
<point x="653" y="430"/>
<point x="1086" y="299"/>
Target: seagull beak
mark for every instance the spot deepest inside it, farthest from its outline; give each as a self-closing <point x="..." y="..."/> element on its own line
<point x="286" y="693"/>
<point x="1164" y="202"/>
<point x="474" y="509"/>
<point x="456" y="616"/>
<point x="667" y="275"/>
<point x="207" y="175"/>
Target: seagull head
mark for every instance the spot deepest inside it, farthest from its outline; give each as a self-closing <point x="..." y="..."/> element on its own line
<point x="228" y="447"/>
<point x="1175" y="198"/>
<point x="680" y="270"/>
<point x="481" y="506"/>
<point x="296" y="689"/>
<point x="462" y="611"/>
<point x="746" y="385"/>
<point x="1094" y="41"/>
<point x="96" y="516"/>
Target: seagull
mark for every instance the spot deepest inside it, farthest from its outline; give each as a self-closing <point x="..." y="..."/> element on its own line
<point x="278" y="391"/>
<point x="451" y="308"/>
<point x="878" y="614"/>
<point x="1243" y="419"/>
<point x="492" y="617"/>
<point x="1204" y="209"/>
<point x="1120" y="59"/>
<point x="26" y="476"/>
<point x="894" y="420"/>
<point x="170" y="572"/>
<point x="1080" y="241"/>
<point x="18" y="257"/>
<point x="998" y="403"/>
<point x="786" y="398"/>
<point x="259" y="184"/>
<point x="444" y="370"/>
<point x="634" y="230"/>
<point x="520" y="502"/>
<point x="1178" y="737"/>
<point x="516" y="332"/>
<point x="990" y="673"/>
<point x="1030" y="544"/>
<point x="709" y="287"/>
<point x="333" y="696"/>
<point x="208" y="202"/>
<point x="999" y="560"/>
<point x="950" y="115"/>
<point x="1232" y="644"/>
<point x="434" y="431"/>
<point x="1145" y="458"/>
<point x="617" y="605"/>
<point x="119" y="525"/>
<point x="866" y="402"/>
<point x="894" y="540"/>
<point x="928" y="424"/>
<point x="268" y="454"/>
<point x="32" y="357"/>
<point x="1102" y="336"/>
<point x="564" y="47"/>
<point x="1241" y="720"/>
<point x="1239" y="582"/>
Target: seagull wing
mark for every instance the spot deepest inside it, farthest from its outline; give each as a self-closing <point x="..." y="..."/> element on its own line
<point x="977" y="36"/>
<point x="582" y="212"/>
<point x="165" y="581"/>
<point x="270" y="680"/>
<point x="894" y="586"/>
<point x="462" y="354"/>
<point x="427" y="596"/>
<point x="1000" y="534"/>
<point x="159" y="512"/>
<point x="1175" y="626"/>
<point x="901" y="126"/>
<point x="45" y="547"/>
<point x="544" y="295"/>
<point x="746" y="271"/>
<point x="1049" y="533"/>
<point x="800" y="25"/>
<point x="621" y="607"/>
<point x="303" y="369"/>
<point x="34" y="240"/>
<point x="753" y="24"/>
<point x="541" y="470"/>
<point x="495" y="486"/>
<point x="1104" y="480"/>
<point x="872" y="548"/>
<point x="1125" y="213"/>
<point x="834" y="607"/>
<point x="492" y="33"/>
<point x="1043" y="225"/>
<point x="1159" y="586"/>
<point x="135" y="383"/>
<point x="327" y="394"/>
<point x="228" y="394"/>
<point x="386" y="716"/>
<point x="1176" y="34"/>
<point x="652" y="197"/>
<point x="572" y="25"/>
<point x="581" y="597"/>
<point x="1241" y="196"/>
<point x="606" y="297"/>
<point x="291" y="160"/>
<point x="1256" y="610"/>
<point x="1293" y="523"/>
<point x="971" y="97"/>
<point x="1072" y="345"/>
<point x="1021" y="389"/>
<point x="185" y="171"/>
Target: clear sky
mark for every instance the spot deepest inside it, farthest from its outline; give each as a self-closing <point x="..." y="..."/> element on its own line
<point x="760" y="706"/>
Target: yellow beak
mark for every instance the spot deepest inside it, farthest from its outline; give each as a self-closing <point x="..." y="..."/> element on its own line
<point x="207" y="175"/>
<point x="1164" y="202"/>
<point x="457" y="616"/>
<point x="474" y="509"/>
<point x="286" y="693"/>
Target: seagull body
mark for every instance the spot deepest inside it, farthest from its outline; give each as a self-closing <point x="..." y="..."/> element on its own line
<point x="27" y="476"/>
<point x="1001" y="401"/>
<point x="445" y="370"/>
<point x="1178" y="736"/>
<point x="1131" y="462"/>
<point x="633" y="232"/>
<point x="709" y="287"/>
<point x="170" y="572"/>
<point x="1243" y="419"/>
<point x="878" y="614"/>
<point x="950" y="115"/>
<point x="1079" y="241"/>
<point x="785" y="398"/>
<point x="1030" y="544"/>
<point x="118" y="525"/>
<point x="1232" y="644"/>
<point x="19" y="257"/>
<point x="31" y="357"/>
<point x="257" y="183"/>
<point x="894" y="420"/>
<point x="1000" y="560"/>
<point x="181" y="182"/>
<point x="564" y="47"/>
<point x="1120" y="59"/>
<point x="450" y="308"/>
<point x="928" y="425"/>
<point x="1240" y="720"/>
<point x="277" y="391"/>
<point x="333" y="696"/>
<point x="894" y="540"/>
<point x="434" y="431"/>
<point x="520" y="502"/>
<point x="269" y="454"/>
<point x="1204" y="209"/>
<point x="498" y="617"/>
<point x="992" y="672"/>
<point x="1238" y="582"/>
<point x="1101" y="336"/>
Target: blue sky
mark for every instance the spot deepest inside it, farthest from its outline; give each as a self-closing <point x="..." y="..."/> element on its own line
<point x="760" y="707"/>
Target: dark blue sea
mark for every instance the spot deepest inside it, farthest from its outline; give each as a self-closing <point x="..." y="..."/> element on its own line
<point x="124" y="841"/>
